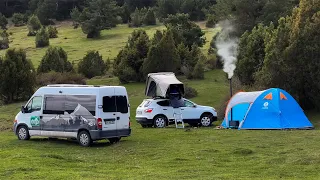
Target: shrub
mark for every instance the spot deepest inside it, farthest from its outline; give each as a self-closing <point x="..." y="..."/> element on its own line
<point x="190" y="92"/>
<point x="53" y="32"/>
<point x="19" y="19"/>
<point x="4" y="40"/>
<point x="55" y="59"/>
<point x="42" y="38"/>
<point x="92" y="65"/>
<point x="60" y="78"/>
<point x="211" y="62"/>
<point x="34" y="25"/>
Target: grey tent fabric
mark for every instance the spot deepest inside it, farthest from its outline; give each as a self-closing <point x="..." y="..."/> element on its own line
<point x="160" y="85"/>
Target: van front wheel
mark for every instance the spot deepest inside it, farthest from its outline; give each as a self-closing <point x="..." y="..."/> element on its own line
<point x="84" y="138"/>
<point x="23" y="133"/>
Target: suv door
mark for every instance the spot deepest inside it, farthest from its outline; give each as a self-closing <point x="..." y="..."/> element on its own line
<point x="166" y="109"/>
<point x="190" y="111"/>
<point x="33" y="111"/>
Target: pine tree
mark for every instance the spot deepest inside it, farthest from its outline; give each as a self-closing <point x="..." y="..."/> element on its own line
<point x="92" y="65"/>
<point x="34" y="25"/>
<point x="3" y="22"/>
<point x="198" y="72"/>
<point x="55" y="59"/>
<point x="149" y="18"/>
<point x="17" y="76"/>
<point x="42" y="38"/>
<point x="162" y="57"/>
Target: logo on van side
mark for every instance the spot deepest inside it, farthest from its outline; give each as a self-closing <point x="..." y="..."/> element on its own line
<point x="35" y="121"/>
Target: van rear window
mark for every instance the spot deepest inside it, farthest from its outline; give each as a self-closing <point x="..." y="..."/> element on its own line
<point x="115" y="104"/>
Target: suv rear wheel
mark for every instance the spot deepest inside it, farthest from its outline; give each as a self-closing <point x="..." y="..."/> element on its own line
<point x="206" y="120"/>
<point x="160" y="121"/>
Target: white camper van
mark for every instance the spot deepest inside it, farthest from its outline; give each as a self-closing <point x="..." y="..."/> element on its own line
<point x="86" y="113"/>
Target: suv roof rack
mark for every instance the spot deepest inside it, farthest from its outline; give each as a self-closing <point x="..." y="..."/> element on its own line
<point x="70" y="85"/>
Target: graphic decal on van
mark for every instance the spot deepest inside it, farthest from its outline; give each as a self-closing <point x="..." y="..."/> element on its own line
<point x="35" y="121"/>
<point x="79" y="117"/>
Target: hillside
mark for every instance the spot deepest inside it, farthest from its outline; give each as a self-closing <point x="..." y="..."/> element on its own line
<point x="75" y="43"/>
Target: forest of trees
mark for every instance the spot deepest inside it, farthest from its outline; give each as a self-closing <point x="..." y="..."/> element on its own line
<point x="278" y="41"/>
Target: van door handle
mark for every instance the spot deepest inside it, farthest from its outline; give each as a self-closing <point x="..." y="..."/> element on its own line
<point x="118" y="118"/>
<point x="182" y="109"/>
<point x="165" y="109"/>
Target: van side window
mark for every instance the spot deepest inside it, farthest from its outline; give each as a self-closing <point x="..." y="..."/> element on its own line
<point x="54" y="104"/>
<point x="109" y="104"/>
<point x="35" y="104"/>
<point x="122" y="104"/>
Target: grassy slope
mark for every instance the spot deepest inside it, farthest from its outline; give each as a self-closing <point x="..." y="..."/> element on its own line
<point x="202" y="153"/>
<point x="75" y="43"/>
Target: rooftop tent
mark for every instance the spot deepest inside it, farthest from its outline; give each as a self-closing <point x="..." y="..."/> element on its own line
<point x="270" y="109"/>
<point x="161" y="84"/>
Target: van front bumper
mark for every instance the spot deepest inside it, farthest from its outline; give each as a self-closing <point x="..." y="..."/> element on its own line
<point x="99" y="134"/>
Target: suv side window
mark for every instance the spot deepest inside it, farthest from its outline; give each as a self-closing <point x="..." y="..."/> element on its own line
<point x="188" y="103"/>
<point x="35" y="104"/>
<point x="164" y="103"/>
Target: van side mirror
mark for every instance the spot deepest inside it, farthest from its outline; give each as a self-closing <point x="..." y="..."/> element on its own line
<point x="23" y="110"/>
<point x="194" y="106"/>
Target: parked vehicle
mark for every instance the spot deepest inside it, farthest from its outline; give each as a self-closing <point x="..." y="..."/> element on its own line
<point x="159" y="113"/>
<point x="87" y="113"/>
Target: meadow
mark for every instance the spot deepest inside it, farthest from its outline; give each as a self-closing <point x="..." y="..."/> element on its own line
<point x="149" y="153"/>
<point x="169" y="153"/>
<point x="75" y="43"/>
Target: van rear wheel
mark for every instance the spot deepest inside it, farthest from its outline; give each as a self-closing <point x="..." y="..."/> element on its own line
<point x="23" y="133"/>
<point x="84" y="139"/>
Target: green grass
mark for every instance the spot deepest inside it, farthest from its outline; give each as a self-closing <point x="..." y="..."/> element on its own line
<point x="75" y="43"/>
<point x="169" y="153"/>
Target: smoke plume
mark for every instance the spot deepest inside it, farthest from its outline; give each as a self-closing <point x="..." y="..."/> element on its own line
<point x="227" y="46"/>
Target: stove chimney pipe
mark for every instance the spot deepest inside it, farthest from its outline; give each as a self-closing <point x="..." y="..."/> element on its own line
<point x="230" y="97"/>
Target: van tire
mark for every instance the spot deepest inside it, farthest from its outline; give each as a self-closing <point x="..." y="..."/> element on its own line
<point x="160" y="121"/>
<point x="23" y="133"/>
<point x="114" y="140"/>
<point x="84" y="138"/>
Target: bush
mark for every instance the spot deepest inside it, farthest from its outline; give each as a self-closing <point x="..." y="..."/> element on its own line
<point x="92" y="65"/>
<point x="55" y="59"/>
<point x="19" y="19"/>
<point x="34" y="25"/>
<point x="42" y="38"/>
<point x="4" y="40"/>
<point x="190" y="92"/>
<point x="60" y="78"/>
<point x="211" y="62"/>
<point x="53" y="32"/>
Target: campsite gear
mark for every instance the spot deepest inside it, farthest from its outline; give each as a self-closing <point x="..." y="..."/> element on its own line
<point x="162" y="84"/>
<point x="178" y="118"/>
<point x="85" y="112"/>
<point x="269" y="109"/>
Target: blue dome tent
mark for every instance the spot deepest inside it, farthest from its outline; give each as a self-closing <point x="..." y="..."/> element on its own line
<point x="270" y="109"/>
